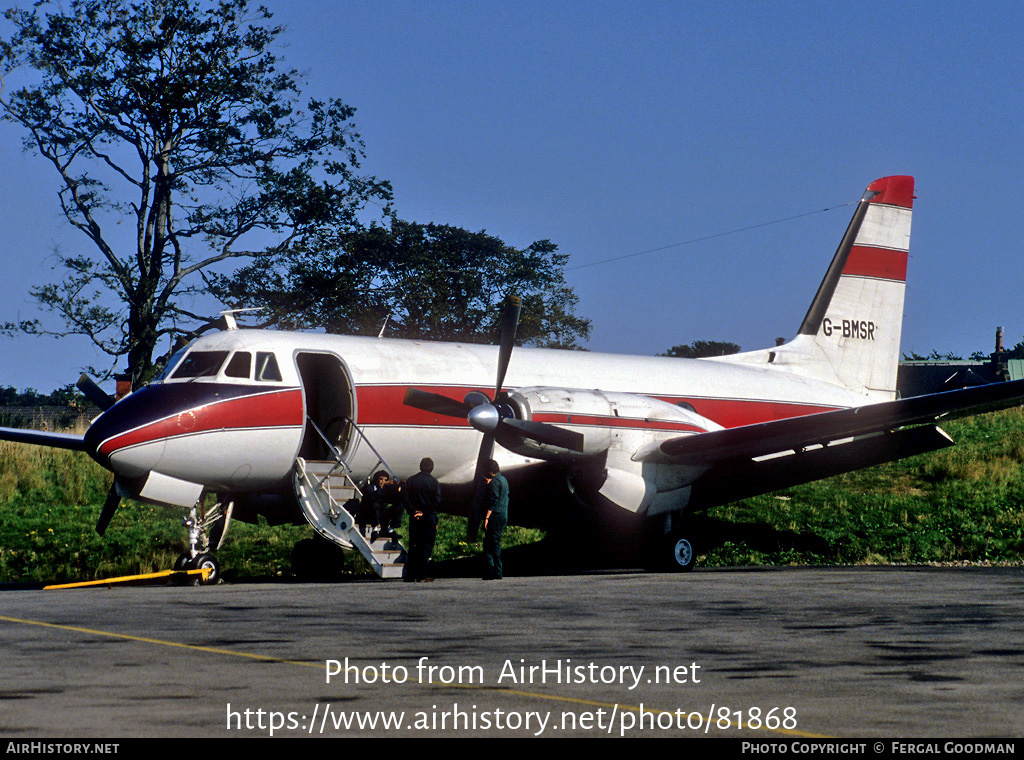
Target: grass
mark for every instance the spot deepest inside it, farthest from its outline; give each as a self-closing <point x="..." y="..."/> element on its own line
<point x="50" y="500"/>
<point x="964" y="504"/>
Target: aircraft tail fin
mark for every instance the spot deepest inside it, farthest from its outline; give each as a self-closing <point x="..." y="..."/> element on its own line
<point x="851" y="332"/>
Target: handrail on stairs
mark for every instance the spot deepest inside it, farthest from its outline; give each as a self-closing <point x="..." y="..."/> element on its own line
<point x="337" y="454"/>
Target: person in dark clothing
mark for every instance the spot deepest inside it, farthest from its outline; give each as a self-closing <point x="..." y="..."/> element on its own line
<point x="495" y="520"/>
<point x="393" y="507"/>
<point x="422" y="498"/>
<point x="372" y="506"/>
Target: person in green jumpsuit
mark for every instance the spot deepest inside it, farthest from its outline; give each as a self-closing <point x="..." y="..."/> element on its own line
<point x="495" y="520"/>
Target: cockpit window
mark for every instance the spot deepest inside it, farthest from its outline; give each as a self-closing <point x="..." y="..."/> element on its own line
<point x="266" y="367"/>
<point x="240" y="365"/>
<point x="171" y="364"/>
<point x="201" y="364"/>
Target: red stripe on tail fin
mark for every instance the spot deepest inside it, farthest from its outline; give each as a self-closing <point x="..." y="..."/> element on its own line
<point x="895" y="191"/>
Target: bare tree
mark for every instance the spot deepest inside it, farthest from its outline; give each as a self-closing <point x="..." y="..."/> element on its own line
<point x="175" y="115"/>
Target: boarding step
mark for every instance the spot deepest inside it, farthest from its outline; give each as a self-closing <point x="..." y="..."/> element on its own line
<point x="323" y="489"/>
<point x="332" y="477"/>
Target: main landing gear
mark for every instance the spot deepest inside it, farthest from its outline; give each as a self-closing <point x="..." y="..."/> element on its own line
<point x="670" y="546"/>
<point x="682" y="556"/>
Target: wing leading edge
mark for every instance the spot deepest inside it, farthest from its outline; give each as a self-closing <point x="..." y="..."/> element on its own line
<point x="42" y="438"/>
<point x="794" y="433"/>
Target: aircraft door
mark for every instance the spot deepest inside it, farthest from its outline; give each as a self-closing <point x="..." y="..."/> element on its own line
<point x="330" y="402"/>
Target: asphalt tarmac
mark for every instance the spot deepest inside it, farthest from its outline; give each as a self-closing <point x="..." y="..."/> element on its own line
<point x="859" y="652"/>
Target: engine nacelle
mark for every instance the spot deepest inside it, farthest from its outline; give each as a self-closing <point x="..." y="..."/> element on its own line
<point x="607" y="421"/>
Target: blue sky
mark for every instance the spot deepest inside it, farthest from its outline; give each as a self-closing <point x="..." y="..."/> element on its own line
<point x="617" y="127"/>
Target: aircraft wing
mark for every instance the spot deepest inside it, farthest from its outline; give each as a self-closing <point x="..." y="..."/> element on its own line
<point x="746" y="461"/>
<point x="796" y="433"/>
<point x="42" y="438"/>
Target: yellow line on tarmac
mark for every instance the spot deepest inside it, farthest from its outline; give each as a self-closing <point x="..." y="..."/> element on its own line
<point x="161" y="642"/>
<point x="300" y="663"/>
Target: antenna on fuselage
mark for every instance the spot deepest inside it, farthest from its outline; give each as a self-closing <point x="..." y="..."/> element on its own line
<point x="229" y="316"/>
<point x="383" y="326"/>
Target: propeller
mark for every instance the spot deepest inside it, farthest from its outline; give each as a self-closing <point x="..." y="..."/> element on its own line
<point x="110" y="505"/>
<point x="493" y="418"/>
<point x="94" y="393"/>
<point x="438" y="404"/>
<point x="100" y="398"/>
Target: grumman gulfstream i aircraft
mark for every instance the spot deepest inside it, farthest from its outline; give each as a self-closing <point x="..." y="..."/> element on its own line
<point x="286" y="424"/>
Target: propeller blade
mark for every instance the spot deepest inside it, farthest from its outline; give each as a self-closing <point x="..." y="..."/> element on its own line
<point x="542" y="432"/>
<point x="113" y="501"/>
<point x="487" y="418"/>
<point x="476" y="508"/>
<point x="509" y="325"/>
<point x="94" y="393"/>
<point x="435" y="403"/>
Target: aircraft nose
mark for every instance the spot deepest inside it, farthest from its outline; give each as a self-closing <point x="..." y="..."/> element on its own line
<point x="119" y="440"/>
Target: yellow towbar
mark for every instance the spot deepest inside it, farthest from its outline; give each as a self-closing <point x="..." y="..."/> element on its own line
<point x="204" y="572"/>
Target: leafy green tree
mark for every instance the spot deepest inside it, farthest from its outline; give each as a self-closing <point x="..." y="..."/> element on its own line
<point x="429" y="281"/>
<point x="702" y="348"/>
<point x="1017" y="352"/>
<point x="173" y="115"/>
<point x="935" y="356"/>
<point x="65" y="396"/>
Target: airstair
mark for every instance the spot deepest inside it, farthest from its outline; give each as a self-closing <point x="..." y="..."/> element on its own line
<point x="323" y="488"/>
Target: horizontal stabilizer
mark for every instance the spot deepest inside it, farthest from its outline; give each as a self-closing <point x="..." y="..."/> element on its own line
<point x="42" y="438"/>
<point x="795" y="433"/>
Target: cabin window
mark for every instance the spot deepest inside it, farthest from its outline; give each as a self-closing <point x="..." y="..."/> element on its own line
<point x="201" y="364"/>
<point x="240" y="365"/>
<point x="266" y="367"/>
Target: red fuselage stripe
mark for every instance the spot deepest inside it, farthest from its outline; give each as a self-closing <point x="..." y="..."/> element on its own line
<point x="264" y="410"/>
<point x="383" y="405"/>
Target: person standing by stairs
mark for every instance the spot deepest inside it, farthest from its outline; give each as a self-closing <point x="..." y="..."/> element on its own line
<point x="422" y="499"/>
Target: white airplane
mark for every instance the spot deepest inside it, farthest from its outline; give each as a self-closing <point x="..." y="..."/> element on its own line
<point x="634" y="443"/>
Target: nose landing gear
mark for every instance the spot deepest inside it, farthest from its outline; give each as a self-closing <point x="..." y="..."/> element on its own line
<point x="200" y="528"/>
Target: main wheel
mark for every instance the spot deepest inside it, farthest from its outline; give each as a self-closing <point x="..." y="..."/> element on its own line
<point x="683" y="556"/>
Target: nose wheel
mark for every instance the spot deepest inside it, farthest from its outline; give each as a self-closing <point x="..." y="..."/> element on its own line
<point x="200" y="562"/>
